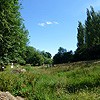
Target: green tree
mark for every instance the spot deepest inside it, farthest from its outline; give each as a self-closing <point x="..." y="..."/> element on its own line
<point x="37" y="59"/>
<point x="61" y="50"/>
<point x="89" y="40"/>
<point x="80" y="35"/>
<point x="47" y="57"/>
<point x="33" y="56"/>
<point x="92" y="25"/>
<point x="13" y="35"/>
<point x="30" y="51"/>
<point x="62" y="56"/>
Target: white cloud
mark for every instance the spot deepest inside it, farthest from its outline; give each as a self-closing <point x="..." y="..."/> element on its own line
<point x="47" y="23"/>
<point x="41" y="24"/>
<point x="55" y="22"/>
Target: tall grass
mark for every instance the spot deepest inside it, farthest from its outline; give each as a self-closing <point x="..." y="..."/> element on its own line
<point x="76" y="81"/>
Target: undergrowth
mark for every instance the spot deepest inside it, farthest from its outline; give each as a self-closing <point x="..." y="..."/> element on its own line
<point x="63" y="82"/>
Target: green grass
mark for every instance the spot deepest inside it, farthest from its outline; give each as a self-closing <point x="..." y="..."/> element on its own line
<point x="75" y="81"/>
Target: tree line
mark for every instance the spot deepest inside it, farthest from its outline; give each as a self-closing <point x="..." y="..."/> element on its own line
<point x="14" y="37"/>
<point x="88" y="41"/>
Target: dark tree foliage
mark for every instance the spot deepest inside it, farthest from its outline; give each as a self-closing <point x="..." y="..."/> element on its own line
<point x="92" y="26"/>
<point x="57" y="59"/>
<point x="48" y="55"/>
<point x="62" y="56"/>
<point x="80" y="35"/>
<point x="61" y="50"/>
<point x="89" y="49"/>
<point x="88" y="36"/>
<point x="91" y="53"/>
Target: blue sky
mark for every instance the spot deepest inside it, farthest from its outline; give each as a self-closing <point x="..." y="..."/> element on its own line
<point x="53" y="23"/>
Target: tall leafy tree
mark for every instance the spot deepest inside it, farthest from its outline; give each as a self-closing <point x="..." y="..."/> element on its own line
<point x="80" y="35"/>
<point x="61" y="50"/>
<point x="90" y="39"/>
<point x="47" y="57"/>
<point x="33" y="56"/>
<point x="13" y="35"/>
<point x="62" y="56"/>
<point x="92" y="25"/>
<point x="95" y="26"/>
<point x="88" y="25"/>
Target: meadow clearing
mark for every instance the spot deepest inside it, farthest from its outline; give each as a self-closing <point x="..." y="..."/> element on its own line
<point x="72" y="81"/>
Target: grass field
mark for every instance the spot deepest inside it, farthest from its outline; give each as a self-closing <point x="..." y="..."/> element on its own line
<point x="74" y="81"/>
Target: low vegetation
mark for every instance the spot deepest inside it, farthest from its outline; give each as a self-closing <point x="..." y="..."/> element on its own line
<point x="74" y="81"/>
